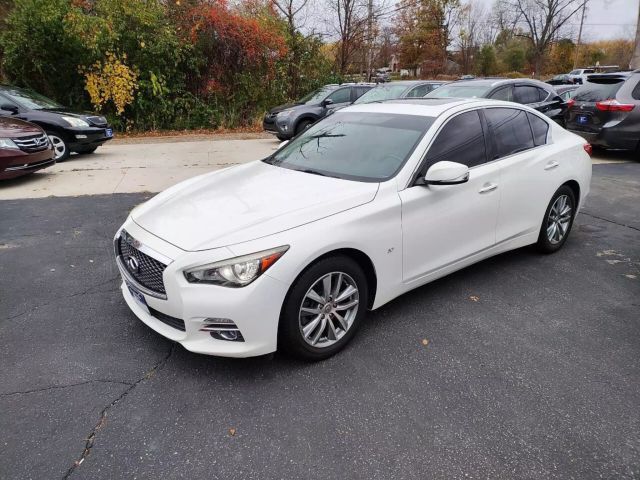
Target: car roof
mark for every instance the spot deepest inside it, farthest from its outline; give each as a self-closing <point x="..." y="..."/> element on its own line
<point x="428" y="107"/>
<point x="494" y="82"/>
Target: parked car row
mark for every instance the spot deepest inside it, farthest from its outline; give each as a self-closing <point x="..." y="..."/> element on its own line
<point x="33" y="127"/>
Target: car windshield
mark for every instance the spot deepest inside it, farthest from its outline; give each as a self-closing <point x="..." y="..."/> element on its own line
<point x="334" y="146"/>
<point x="382" y="92"/>
<point x="316" y="96"/>
<point x="30" y="100"/>
<point x="460" y="91"/>
<point x="597" y="90"/>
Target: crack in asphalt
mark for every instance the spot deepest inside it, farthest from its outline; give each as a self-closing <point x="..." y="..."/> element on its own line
<point x="610" y="221"/>
<point x="55" y="387"/>
<point x="103" y="414"/>
<point x="86" y="291"/>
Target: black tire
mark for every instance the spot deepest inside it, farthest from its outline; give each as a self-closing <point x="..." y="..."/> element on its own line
<point x="60" y="145"/>
<point x="303" y="125"/>
<point x="545" y="244"/>
<point x="290" y="336"/>
<point x="282" y="138"/>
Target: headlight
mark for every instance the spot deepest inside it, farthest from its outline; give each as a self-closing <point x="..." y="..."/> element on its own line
<point x="236" y="272"/>
<point x="75" y="122"/>
<point x="7" y="143"/>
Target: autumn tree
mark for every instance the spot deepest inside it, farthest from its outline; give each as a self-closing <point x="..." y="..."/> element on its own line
<point x="541" y="22"/>
<point x="349" y="24"/>
<point x="424" y="29"/>
<point x="472" y="22"/>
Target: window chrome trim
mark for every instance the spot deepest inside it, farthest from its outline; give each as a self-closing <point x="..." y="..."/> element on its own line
<point x="138" y="245"/>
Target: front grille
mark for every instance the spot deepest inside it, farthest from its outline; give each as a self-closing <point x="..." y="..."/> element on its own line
<point x="97" y="121"/>
<point x="174" y="322"/>
<point x="32" y="143"/>
<point x="149" y="271"/>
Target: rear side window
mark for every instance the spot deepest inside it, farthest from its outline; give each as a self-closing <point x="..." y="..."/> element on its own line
<point x="504" y="93"/>
<point x="510" y="131"/>
<point x="636" y="92"/>
<point x="540" y="129"/>
<point x="359" y="91"/>
<point x="542" y="94"/>
<point x="419" y="91"/>
<point x="598" y="90"/>
<point x="461" y="140"/>
<point x="527" y="94"/>
<point x="341" y="96"/>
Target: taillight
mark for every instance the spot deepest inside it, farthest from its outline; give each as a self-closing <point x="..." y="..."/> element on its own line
<point x="612" y="105"/>
<point x="571" y="102"/>
<point x="588" y="148"/>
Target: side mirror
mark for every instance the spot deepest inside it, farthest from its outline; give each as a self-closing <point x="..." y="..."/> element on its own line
<point x="326" y="102"/>
<point x="7" y="107"/>
<point x="445" y="173"/>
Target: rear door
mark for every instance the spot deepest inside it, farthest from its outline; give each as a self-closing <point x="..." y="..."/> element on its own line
<point x="527" y="180"/>
<point x="587" y="113"/>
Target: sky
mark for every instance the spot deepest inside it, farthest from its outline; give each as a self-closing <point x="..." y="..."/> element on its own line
<point x="604" y="20"/>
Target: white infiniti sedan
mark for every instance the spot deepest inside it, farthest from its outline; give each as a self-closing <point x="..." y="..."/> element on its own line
<point x="370" y="202"/>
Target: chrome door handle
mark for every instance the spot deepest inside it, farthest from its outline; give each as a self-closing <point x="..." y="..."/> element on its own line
<point x="488" y="188"/>
<point x="551" y="165"/>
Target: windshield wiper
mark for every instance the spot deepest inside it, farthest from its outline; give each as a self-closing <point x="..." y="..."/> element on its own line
<point x="315" y="172"/>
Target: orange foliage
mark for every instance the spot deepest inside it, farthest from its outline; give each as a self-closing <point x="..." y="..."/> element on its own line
<point x="232" y="44"/>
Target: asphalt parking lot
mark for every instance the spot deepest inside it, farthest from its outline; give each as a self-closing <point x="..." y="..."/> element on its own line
<point x="522" y="366"/>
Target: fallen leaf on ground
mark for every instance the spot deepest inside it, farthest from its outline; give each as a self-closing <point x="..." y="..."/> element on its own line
<point x="473" y="298"/>
<point x="425" y="342"/>
<point x="232" y="431"/>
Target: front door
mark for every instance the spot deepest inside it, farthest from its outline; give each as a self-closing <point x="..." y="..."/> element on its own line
<point x="443" y="224"/>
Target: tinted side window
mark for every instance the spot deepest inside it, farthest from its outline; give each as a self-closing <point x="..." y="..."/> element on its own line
<point x="342" y="95"/>
<point x="504" y="93"/>
<point x="527" y="94"/>
<point x="542" y="94"/>
<point x="419" y="91"/>
<point x="636" y="92"/>
<point x="6" y="101"/>
<point x="461" y="140"/>
<point x="540" y="129"/>
<point x="359" y="91"/>
<point x="510" y="131"/>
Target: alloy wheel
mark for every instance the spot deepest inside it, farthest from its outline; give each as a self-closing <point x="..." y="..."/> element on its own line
<point x="559" y="219"/>
<point x="59" y="147"/>
<point x="328" y="309"/>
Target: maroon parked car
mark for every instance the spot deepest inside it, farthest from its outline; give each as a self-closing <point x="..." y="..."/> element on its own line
<point x="24" y="148"/>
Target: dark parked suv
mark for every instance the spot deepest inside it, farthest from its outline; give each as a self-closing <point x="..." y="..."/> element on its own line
<point x="68" y="131"/>
<point x="605" y="110"/>
<point x="533" y="93"/>
<point x="286" y="121"/>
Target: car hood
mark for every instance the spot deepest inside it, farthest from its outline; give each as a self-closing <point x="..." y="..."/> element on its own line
<point x="15" y="128"/>
<point x="280" y="108"/>
<point x="244" y="203"/>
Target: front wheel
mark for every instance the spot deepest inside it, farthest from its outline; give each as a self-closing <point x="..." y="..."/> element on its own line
<point x="324" y="309"/>
<point x="303" y="125"/>
<point x="60" y="147"/>
<point x="558" y="220"/>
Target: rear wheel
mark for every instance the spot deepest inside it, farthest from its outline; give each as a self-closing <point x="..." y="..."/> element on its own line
<point x="324" y="309"/>
<point x="60" y="147"/>
<point x="558" y="220"/>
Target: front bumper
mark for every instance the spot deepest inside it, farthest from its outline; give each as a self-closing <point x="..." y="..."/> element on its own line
<point x="255" y="309"/>
<point x="86" y="138"/>
<point x="15" y="163"/>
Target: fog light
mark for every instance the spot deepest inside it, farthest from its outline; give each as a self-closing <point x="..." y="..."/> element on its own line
<point x="81" y="137"/>
<point x="222" y="329"/>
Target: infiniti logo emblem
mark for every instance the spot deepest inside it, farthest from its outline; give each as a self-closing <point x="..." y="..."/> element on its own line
<point x="132" y="264"/>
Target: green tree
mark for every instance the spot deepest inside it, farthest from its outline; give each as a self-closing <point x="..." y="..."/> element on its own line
<point x="487" y="63"/>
